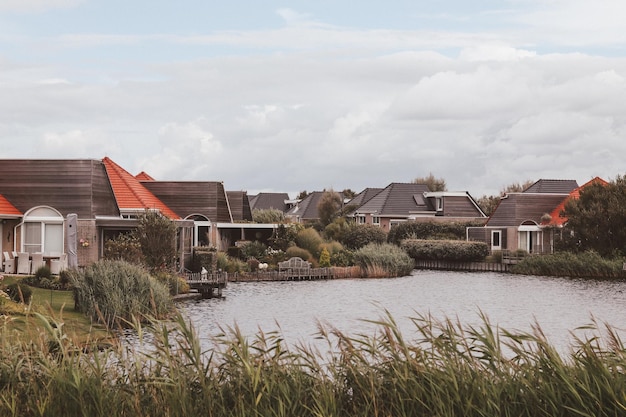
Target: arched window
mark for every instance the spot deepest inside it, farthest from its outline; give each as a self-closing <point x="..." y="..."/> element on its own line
<point x="202" y="229"/>
<point x="42" y="230"/>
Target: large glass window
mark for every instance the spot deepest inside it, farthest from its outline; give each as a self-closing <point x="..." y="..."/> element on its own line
<point x="42" y="230"/>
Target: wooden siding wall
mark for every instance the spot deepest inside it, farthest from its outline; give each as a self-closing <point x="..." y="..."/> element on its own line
<point x="459" y="207"/>
<point x="239" y="205"/>
<point x="192" y="197"/>
<point x="66" y="185"/>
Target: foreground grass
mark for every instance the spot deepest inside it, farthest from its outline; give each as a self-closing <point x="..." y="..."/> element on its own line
<point x="445" y="369"/>
<point x="21" y="324"/>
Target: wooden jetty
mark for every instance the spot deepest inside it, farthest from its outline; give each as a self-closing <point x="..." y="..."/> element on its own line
<point x="209" y="285"/>
<point x="463" y="266"/>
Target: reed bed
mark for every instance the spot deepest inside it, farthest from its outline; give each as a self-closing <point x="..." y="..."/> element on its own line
<point x="442" y="369"/>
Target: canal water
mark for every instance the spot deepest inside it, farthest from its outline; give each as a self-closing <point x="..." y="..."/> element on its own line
<point x="512" y="302"/>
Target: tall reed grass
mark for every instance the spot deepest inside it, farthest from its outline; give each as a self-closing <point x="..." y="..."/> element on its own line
<point x="442" y="368"/>
<point x="383" y="260"/>
<point x="586" y="264"/>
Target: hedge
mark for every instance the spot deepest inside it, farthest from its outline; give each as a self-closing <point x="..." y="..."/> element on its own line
<point x="445" y="250"/>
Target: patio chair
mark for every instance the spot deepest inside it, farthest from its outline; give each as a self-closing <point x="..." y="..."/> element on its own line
<point x="8" y="264"/>
<point x="36" y="262"/>
<point x="23" y="263"/>
<point x="58" y="265"/>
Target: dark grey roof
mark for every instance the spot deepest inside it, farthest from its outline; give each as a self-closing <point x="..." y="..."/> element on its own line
<point x="397" y="199"/>
<point x="266" y="201"/>
<point x="363" y="197"/>
<point x="307" y="208"/>
<point x="552" y="186"/>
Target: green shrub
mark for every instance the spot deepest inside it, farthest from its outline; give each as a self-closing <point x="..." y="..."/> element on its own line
<point x="256" y="250"/>
<point x="175" y="283"/>
<point x="310" y="240"/>
<point x="116" y="292"/>
<point x="230" y="264"/>
<point x="43" y="272"/>
<point x="357" y="236"/>
<point x="446" y="250"/>
<point x="429" y="230"/>
<point x="586" y="264"/>
<point x="203" y="258"/>
<point x="20" y="293"/>
<point x="383" y="260"/>
<point x="296" y="251"/>
<point x="125" y="247"/>
<point x="342" y="258"/>
<point x="324" y="258"/>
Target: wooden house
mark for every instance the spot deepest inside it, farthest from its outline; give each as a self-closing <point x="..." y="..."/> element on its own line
<point x="401" y="202"/>
<point x="519" y="220"/>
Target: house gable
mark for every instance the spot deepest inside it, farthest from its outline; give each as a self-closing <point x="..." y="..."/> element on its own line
<point x="556" y="217"/>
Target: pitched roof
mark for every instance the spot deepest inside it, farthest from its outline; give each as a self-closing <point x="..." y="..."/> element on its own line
<point x="397" y="199"/>
<point x="552" y="186"/>
<point x="307" y="208"/>
<point x="517" y="208"/>
<point x="266" y="201"/>
<point x="129" y="192"/>
<point x="556" y="219"/>
<point x="142" y="176"/>
<point x="363" y="197"/>
<point x="7" y="209"/>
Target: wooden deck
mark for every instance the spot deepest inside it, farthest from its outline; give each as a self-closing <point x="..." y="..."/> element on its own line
<point x="209" y="285"/>
<point x="312" y="274"/>
<point x="463" y="266"/>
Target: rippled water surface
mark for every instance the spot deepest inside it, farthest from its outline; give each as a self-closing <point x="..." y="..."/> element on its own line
<point x="513" y="302"/>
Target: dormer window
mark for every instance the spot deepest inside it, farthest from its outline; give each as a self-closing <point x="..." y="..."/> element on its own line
<point x="439" y="203"/>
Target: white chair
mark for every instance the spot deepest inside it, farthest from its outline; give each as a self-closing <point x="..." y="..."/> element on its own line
<point x="58" y="265"/>
<point x="8" y="264"/>
<point x="36" y="262"/>
<point x="23" y="263"/>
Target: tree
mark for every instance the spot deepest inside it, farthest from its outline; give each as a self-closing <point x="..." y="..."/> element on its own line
<point x="329" y="206"/>
<point x="595" y="221"/>
<point x="434" y="184"/>
<point x="157" y="236"/>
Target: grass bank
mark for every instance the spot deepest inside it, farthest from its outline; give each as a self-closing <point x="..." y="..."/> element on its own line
<point x="442" y="368"/>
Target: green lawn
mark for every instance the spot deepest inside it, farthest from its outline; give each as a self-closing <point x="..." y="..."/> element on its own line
<point x="58" y="306"/>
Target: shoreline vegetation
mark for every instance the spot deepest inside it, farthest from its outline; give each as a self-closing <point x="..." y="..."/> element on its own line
<point x="443" y="369"/>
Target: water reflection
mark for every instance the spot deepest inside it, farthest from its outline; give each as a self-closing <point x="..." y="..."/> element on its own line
<point x="513" y="302"/>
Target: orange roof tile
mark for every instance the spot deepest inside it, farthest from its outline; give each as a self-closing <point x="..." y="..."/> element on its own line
<point x="556" y="218"/>
<point x="142" y="176"/>
<point x="129" y="192"/>
<point x="8" y="209"/>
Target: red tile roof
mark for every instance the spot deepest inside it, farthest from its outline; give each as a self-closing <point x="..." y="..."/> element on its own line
<point x="142" y="176"/>
<point x="8" y="209"/>
<point x="129" y="192"/>
<point x="556" y="218"/>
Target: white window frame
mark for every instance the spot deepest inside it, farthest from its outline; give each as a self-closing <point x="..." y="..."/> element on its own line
<point x="50" y="217"/>
<point x="376" y="220"/>
<point x="499" y="234"/>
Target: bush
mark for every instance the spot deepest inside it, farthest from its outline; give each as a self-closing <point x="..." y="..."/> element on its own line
<point x="43" y="272"/>
<point x="256" y="250"/>
<point x="116" y="292"/>
<point x="343" y="257"/>
<point x="124" y="247"/>
<point x="586" y="264"/>
<point x="446" y="250"/>
<point x="324" y="258"/>
<point x="230" y="264"/>
<point x="429" y="230"/>
<point x="310" y="240"/>
<point x="203" y="258"/>
<point x="295" y="251"/>
<point x="357" y="236"/>
<point x="175" y="283"/>
<point x="383" y="260"/>
<point x="20" y="293"/>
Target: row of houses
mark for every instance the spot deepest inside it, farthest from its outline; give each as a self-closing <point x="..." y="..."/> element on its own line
<point x="75" y="206"/>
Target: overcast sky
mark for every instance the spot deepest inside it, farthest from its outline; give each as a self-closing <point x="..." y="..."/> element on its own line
<point x="311" y="95"/>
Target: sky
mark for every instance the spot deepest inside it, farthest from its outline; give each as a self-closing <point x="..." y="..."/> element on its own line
<point x="286" y="96"/>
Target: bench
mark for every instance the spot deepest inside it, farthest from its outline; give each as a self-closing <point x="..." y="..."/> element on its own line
<point x="295" y="266"/>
